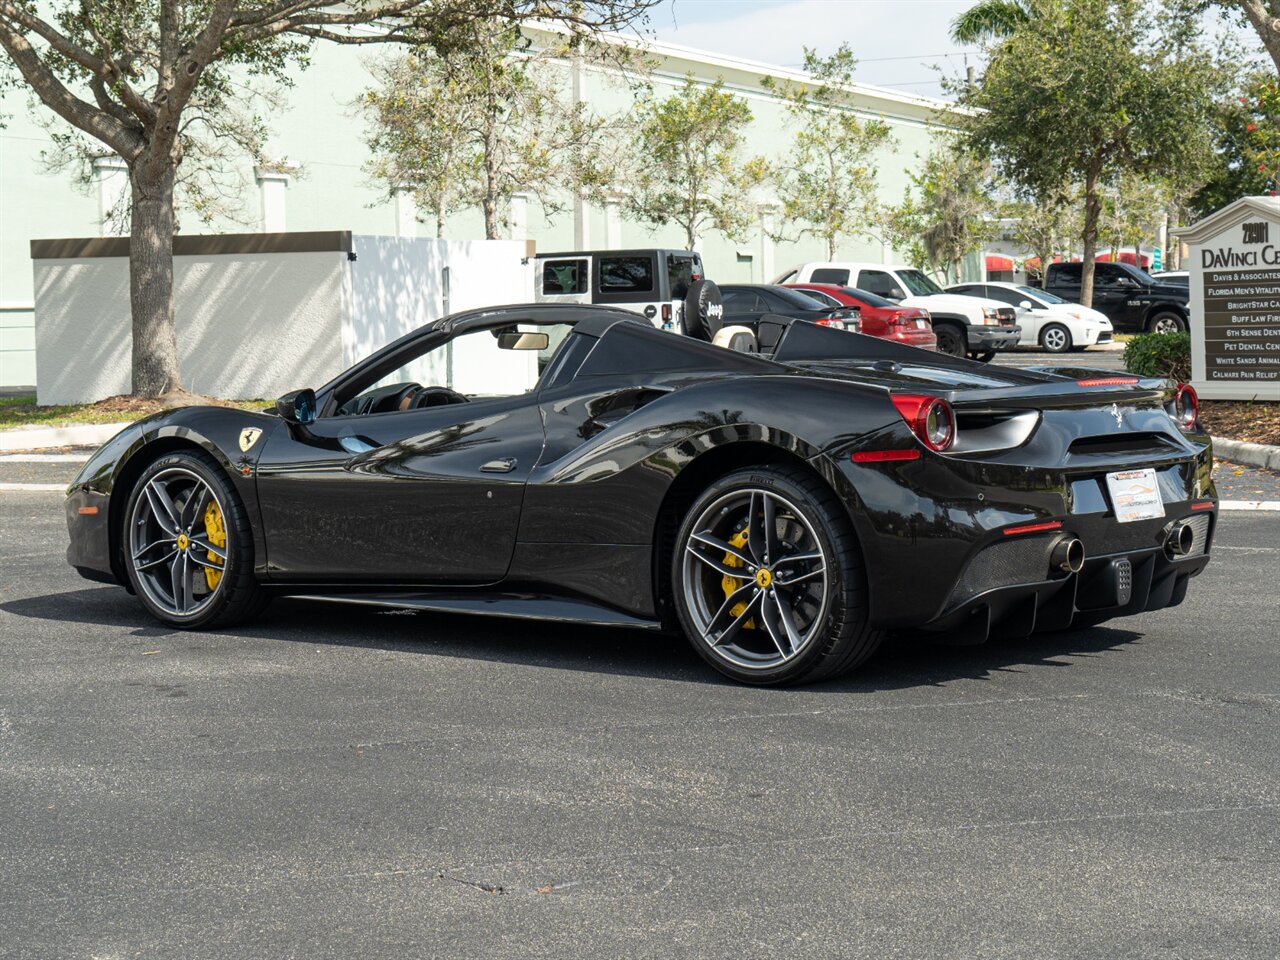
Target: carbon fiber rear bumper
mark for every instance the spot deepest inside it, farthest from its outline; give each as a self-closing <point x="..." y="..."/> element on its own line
<point x="998" y="594"/>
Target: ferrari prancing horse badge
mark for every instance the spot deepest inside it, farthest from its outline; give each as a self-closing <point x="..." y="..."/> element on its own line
<point x="249" y="436"/>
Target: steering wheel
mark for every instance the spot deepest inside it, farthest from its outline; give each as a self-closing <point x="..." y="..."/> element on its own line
<point x="437" y="397"/>
<point x="390" y="401"/>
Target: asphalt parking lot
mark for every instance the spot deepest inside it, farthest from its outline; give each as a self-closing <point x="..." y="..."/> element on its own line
<point x="342" y="783"/>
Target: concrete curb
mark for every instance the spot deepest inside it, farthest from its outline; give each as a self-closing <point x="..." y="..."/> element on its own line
<point x="41" y="438"/>
<point x="1251" y="454"/>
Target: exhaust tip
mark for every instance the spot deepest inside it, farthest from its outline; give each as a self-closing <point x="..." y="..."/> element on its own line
<point x="1067" y="555"/>
<point x="1180" y="540"/>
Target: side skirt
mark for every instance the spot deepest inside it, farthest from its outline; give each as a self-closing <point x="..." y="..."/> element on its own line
<point x="524" y="606"/>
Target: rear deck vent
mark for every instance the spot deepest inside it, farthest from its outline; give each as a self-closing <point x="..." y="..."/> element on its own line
<point x="1120" y="444"/>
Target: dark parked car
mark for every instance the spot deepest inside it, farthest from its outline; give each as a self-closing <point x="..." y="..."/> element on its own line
<point x="746" y="304"/>
<point x="1133" y="300"/>
<point x="783" y="510"/>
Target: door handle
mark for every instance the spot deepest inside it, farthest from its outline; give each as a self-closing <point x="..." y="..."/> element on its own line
<point x="501" y="465"/>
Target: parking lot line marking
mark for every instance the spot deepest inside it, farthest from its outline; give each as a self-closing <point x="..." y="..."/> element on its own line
<point x="1249" y="504"/>
<point x="32" y="486"/>
<point x="43" y="458"/>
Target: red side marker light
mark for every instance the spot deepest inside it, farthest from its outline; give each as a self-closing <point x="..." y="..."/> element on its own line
<point x="878" y="456"/>
<point x="1033" y="528"/>
<point x="87" y="511"/>
<point x="1107" y="382"/>
<point x="1203" y="505"/>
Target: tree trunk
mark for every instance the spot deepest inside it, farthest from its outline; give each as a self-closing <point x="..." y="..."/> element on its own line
<point x="1092" y="211"/>
<point x="155" y="339"/>
<point x="440" y="216"/>
<point x="831" y="247"/>
<point x="1267" y="26"/>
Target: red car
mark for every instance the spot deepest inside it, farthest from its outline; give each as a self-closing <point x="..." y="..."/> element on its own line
<point x="880" y="317"/>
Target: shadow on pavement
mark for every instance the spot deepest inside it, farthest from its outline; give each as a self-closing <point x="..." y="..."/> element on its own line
<point x="904" y="661"/>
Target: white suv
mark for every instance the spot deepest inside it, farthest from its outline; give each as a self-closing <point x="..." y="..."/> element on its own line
<point x="963" y="325"/>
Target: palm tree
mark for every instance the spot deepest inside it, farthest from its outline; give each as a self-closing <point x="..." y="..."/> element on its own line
<point x="991" y="20"/>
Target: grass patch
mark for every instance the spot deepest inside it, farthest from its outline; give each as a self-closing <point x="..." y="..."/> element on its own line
<point x="24" y="412"/>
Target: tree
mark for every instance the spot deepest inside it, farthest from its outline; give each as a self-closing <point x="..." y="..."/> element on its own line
<point x="414" y="135"/>
<point x="1088" y="89"/>
<point x="1265" y="17"/>
<point x="694" y="176"/>
<point x="1246" y="146"/>
<point x="1131" y="205"/>
<point x="948" y="212"/>
<point x="828" y="183"/>
<point x="1046" y="225"/>
<point x="127" y="75"/>
<point x="477" y="118"/>
<point x="990" y="20"/>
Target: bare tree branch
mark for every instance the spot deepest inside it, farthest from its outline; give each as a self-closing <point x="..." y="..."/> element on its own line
<point x="109" y="129"/>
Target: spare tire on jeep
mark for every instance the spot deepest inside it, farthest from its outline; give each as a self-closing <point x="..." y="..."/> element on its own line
<point x="703" y="310"/>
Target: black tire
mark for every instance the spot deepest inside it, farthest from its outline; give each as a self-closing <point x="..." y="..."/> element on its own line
<point x="837" y="635"/>
<point x="985" y="357"/>
<point x="1055" y="338"/>
<point x="951" y="340"/>
<point x="236" y="597"/>
<point x="1166" y="321"/>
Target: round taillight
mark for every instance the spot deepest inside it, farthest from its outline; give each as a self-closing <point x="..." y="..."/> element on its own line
<point x="936" y="425"/>
<point x="1186" y="406"/>
<point x="931" y="419"/>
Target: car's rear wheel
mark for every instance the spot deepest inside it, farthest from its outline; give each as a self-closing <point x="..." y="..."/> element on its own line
<point x="768" y="579"/>
<point x="1167" y="322"/>
<point x="188" y="546"/>
<point x="1055" y="338"/>
<point x="985" y="356"/>
<point x="951" y="340"/>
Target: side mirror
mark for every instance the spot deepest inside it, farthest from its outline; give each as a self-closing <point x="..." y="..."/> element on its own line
<point x="897" y="294"/>
<point x="297" y="407"/>
<point x="1025" y="305"/>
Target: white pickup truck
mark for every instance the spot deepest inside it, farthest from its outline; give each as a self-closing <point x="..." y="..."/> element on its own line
<point x="972" y="326"/>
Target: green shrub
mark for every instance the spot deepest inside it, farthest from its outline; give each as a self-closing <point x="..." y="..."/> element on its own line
<point x="1160" y="355"/>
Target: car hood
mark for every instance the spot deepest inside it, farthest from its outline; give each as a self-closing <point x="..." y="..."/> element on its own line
<point x="1174" y="291"/>
<point x="954" y="301"/>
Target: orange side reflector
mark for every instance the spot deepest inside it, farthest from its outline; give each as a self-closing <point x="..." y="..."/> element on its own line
<point x="87" y="511"/>
<point x="1203" y="505"/>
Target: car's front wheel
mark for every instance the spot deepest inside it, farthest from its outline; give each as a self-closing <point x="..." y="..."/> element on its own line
<point x="1055" y="338"/>
<point x="188" y="546"/>
<point x="768" y="579"/>
<point x="1167" y="322"/>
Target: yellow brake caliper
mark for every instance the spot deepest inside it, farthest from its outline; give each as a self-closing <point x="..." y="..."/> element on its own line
<point x="730" y="584"/>
<point x="217" y="534"/>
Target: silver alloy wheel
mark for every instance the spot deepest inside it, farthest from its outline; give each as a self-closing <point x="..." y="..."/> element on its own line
<point x="1054" y="339"/>
<point x="1166" y="324"/>
<point x="169" y="545"/>
<point x="760" y="604"/>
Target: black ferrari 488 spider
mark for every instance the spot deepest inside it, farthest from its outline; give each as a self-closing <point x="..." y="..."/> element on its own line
<point x="785" y="509"/>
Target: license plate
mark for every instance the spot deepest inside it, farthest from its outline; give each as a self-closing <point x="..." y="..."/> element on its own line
<point x="1135" y="495"/>
<point x="920" y="324"/>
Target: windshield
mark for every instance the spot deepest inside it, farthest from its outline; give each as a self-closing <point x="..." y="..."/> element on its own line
<point x="918" y="283"/>
<point x="1139" y="274"/>
<point x="794" y="298"/>
<point x="869" y="298"/>
<point x="1044" y="295"/>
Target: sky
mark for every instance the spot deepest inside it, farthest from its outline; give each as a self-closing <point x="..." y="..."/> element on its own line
<point x="900" y="44"/>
